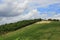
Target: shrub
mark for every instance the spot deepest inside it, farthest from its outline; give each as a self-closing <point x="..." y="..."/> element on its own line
<point x="14" y="26"/>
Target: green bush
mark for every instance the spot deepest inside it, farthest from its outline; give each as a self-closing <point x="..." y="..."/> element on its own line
<point x="14" y="26"/>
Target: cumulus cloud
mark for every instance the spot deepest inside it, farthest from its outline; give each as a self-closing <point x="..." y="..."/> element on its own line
<point x="15" y="10"/>
<point x="57" y="16"/>
<point x="16" y="7"/>
<point x="33" y="14"/>
<point x="13" y="7"/>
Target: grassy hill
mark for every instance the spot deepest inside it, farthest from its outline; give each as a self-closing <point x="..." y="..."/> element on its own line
<point x="38" y="31"/>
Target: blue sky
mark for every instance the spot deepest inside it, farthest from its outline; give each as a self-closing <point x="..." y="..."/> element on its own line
<point x="51" y="8"/>
<point x="0" y="1"/>
<point x="16" y="10"/>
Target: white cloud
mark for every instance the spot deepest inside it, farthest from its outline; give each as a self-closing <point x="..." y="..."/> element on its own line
<point x="57" y="16"/>
<point x="33" y="14"/>
<point x="16" y="9"/>
<point x="2" y="7"/>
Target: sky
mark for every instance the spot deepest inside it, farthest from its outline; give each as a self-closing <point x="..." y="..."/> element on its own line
<point x="16" y="10"/>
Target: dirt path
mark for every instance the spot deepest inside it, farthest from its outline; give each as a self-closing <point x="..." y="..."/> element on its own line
<point x="42" y="22"/>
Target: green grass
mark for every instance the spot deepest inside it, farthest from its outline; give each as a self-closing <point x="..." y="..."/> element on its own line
<point x="49" y="31"/>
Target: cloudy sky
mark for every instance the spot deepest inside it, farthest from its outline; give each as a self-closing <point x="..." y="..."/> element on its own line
<point x="16" y="10"/>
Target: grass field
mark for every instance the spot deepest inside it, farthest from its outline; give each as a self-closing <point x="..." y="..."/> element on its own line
<point x="36" y="31"/>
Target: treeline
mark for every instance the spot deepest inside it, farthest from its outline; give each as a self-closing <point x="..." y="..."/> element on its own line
<point x="14" y="26"/>
<point x="53" y="20"/>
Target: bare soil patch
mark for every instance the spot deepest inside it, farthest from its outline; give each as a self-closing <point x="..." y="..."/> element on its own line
<point x="42" y="22"/>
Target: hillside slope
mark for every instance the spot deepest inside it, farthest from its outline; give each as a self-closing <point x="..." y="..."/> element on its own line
<point x="36" y="31"/>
